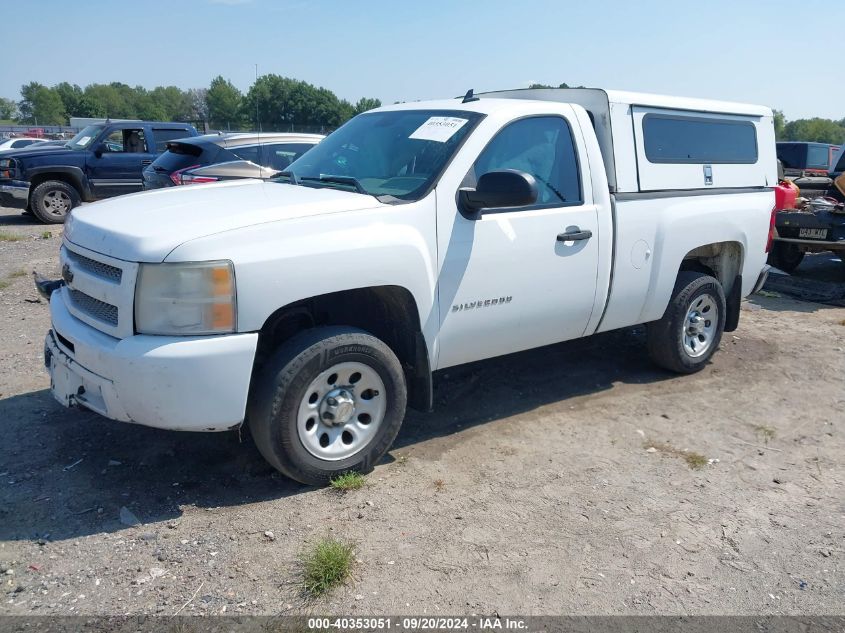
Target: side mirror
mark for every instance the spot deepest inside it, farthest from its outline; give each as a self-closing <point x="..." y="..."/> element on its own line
<point x="98" y="151"/>
<point x="499" y="189"/>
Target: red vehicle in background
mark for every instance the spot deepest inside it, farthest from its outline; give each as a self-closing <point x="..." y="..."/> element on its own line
<point x="35" y="132"/>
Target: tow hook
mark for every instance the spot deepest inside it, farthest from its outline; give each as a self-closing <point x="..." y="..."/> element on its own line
<point x="46" y="287"/>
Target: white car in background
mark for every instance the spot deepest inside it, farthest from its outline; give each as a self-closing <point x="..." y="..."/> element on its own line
<point x="19" y="142"/>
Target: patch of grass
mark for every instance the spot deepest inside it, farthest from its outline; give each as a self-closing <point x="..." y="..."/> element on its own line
<point x="439" y="485"/>
<point x="46" y="235"/>
<point x="769" y="294"/>
<point x="4" y="284"/>
<point x="18" y="273"/>
<point x="401" y="460"/>
<point x="10" y="237"/>
<point x="765" y="433"/>
<point x="696" y="461"/>
<point x="347" y="481"/>
<point x="325" y="565"/>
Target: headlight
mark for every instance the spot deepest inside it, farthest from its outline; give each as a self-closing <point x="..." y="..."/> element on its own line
<point x="185" y="299"/>
<point x="7" y="168"/>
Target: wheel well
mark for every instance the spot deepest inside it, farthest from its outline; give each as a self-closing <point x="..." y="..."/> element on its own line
<point x="722" y="260"/>
<point x="37" y="179"/>
<point x="387" y="312"/>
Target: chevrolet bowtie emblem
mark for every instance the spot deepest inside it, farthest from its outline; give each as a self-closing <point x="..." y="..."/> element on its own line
<point x="67" y="273"/>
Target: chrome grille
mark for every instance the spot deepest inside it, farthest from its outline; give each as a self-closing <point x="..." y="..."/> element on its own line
<point x="104" y="271"/>
<point x="96" y="309"/>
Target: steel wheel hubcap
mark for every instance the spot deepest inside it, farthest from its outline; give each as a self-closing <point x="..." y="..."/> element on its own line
<point x="56" y="202"/>
<point x="341" y="411"/>
<point x="700" y="325"/>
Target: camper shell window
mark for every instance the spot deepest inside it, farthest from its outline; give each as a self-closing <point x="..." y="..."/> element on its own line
<point x="681" y="139"/>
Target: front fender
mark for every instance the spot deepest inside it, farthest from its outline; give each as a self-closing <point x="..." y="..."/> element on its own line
<point x="283" y="262"/>
<point x="75" y="174"/>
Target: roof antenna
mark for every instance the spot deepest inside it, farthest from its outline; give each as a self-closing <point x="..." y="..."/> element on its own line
<point x="469" y="96"/>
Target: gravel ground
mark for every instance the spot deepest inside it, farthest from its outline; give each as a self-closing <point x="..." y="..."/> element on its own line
<point x="549" y="482"/>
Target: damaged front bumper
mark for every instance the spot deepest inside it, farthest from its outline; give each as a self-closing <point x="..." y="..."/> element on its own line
<point x="182" y="383"/>
<point x="14" y="194"/>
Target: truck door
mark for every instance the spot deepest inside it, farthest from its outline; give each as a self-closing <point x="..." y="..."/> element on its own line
<point x="518" y="278"/>
<point x="116" y="164"/>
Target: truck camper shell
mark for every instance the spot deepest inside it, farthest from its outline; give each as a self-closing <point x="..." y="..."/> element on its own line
<point x="653" y="143"/>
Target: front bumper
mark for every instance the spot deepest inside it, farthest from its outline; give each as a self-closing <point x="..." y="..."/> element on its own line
<point x="183" y="383"/>
<point x="14" y="194"/>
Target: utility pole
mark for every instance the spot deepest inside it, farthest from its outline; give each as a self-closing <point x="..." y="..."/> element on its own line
<point x="257" y="120"/>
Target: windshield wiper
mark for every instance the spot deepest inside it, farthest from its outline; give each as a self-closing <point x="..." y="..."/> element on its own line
<point x="287" y="174"/>
<point x="341" y="180"/>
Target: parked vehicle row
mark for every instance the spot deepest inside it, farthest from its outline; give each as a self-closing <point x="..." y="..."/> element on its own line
<point x="101" y="161"/>
<point x="416" y="237"/>
<point x="111" y="159"/>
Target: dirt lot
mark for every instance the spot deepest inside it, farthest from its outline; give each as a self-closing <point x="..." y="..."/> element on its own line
<point x="549" y="482"/>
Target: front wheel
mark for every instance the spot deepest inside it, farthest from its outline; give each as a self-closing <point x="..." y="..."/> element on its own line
<point x="328" y="401"/>
<point x="51" y="201"/>
<point x="691" y="328"/>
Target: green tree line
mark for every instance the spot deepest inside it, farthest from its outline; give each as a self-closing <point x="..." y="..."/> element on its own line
<point x="272" y="102"/>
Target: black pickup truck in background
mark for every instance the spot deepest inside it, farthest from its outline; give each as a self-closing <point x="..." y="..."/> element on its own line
<point x="102" y="161"/>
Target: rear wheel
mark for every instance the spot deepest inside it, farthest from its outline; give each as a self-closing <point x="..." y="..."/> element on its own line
<point x="691" y="328"/>
<point x="51" y="201"/>
<point x="786" y="256"/>
<point x="330" y="400"/>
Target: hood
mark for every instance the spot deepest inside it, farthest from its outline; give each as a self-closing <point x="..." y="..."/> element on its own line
<point x="145" y="227"/>
<point x="32" y="150"/>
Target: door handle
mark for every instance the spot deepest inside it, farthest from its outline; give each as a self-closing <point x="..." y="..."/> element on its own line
<point x="575" y="235"/>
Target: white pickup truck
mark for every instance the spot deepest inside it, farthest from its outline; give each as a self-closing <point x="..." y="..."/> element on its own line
<point x="416" y="237"/>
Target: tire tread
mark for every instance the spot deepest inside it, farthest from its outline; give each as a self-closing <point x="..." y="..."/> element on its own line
<point x="267" y="401"/>
<point x="40" y="191"/>
<point x="663" y="343"/>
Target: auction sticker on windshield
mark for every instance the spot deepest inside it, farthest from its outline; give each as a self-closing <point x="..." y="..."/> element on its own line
<point x="438" y="128"/>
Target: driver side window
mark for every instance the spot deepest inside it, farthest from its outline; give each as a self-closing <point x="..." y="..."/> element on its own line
<point x="127" y="141"/>
<point x="541" y="146"/>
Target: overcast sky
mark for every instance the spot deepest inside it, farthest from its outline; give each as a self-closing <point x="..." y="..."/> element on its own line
<point x="786" y="55"/>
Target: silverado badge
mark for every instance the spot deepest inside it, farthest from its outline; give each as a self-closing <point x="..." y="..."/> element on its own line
<point x="481" y="303"/>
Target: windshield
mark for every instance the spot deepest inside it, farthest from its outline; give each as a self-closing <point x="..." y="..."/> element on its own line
<point x="85" y="137"/>
<point x="395" y="156"/>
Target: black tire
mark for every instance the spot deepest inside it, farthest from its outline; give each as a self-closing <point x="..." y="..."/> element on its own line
<point x="282" y="383"/>
<point x="785" y="256"/>
<point x="52" y="201"/>
<point x="666" y="337"/>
